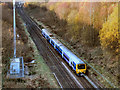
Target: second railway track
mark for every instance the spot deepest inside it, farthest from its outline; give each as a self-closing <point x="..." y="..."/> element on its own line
<point x="52" y="59"/>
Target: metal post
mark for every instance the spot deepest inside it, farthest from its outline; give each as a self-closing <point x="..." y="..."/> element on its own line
<point x="22" y="67"/>
<point x="14" y="24"/>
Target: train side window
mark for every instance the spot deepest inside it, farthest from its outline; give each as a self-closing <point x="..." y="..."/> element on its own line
<point x="59" y="49"/>
<point x="44" y="34"/>
<point x="47" y="37"/>
<point x="66" y="57"/>
<point x="52" y="42"/>
<point x="72" y="63"/>
<point x="74" y="66"/>
<point x="56" y="47"/>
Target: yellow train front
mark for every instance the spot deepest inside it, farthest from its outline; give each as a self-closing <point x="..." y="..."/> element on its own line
<point x="76" y="63"/>
<point x="81" y="68"/>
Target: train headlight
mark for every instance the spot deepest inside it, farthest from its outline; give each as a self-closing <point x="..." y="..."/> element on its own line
<point x="84" y="71"/>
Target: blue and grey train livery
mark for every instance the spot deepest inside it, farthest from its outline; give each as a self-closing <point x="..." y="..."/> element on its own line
<point x="76" y="63"/>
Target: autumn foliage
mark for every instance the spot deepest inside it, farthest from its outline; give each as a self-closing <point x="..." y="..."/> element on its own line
<point x="109" y="35"/>
<point x="85" y="20"/>
<point x="92" y="24"/>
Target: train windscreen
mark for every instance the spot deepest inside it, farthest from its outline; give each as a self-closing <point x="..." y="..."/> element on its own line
<point x="81" y="66"/>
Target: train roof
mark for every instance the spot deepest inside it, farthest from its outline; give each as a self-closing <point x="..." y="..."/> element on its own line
<point x="65" y="50"/>
<point x="72" y="56"/>
<point x="47" y="32"/>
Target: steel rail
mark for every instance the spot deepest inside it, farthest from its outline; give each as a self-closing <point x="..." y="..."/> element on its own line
<point x="52" y="61"/>
<point x="35" y="25"/>
<point x="14" y="24"/>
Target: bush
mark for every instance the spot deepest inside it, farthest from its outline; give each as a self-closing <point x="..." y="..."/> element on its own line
<point x="89" y="36"/>
<point x="109" y="36"/>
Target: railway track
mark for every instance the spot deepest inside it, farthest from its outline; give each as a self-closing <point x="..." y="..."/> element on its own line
<point x="66" y="79"/>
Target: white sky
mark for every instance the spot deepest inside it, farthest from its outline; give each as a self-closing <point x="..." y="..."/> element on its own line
<point x="63" y="0"/>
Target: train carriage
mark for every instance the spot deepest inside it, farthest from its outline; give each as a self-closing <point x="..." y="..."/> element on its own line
<point x="57" y="45"/>
<point x="47" y="34"/>
<point x="76" y="63"/>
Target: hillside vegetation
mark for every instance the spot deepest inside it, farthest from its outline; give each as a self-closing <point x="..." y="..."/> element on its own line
<point x="89" y="29"/>
<point x="95" y="27"/>
<point x="88" y="21"/>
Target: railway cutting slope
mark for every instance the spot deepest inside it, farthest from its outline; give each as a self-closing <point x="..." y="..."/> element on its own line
<point x="53" y="60"/>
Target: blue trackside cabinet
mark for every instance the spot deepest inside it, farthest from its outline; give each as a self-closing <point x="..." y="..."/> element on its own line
<point x="15" y="66"/>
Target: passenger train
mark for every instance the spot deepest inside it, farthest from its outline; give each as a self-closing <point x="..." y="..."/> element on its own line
<point x="73" y="61"/>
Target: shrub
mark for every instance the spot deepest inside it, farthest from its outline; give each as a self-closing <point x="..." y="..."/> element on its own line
<point x="109" y="35"/>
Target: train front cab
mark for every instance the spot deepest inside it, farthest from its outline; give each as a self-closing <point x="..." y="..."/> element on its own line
<point x="80" y="68"/>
